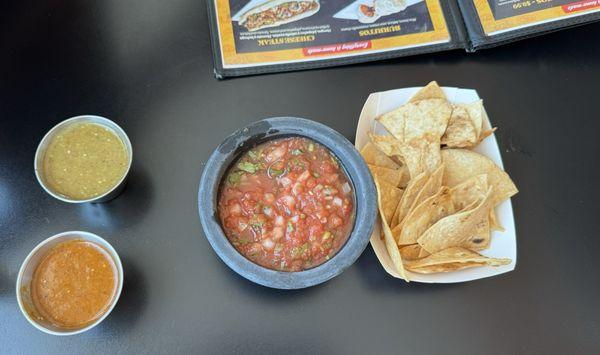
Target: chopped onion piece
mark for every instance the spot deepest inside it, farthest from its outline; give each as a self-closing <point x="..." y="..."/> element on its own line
<point x="285" y="181"/>
<point x="279" y="220"/>
<point x="268" y="244"/>
<point x="305" y="175"/>
<point x="337" y="201"/>
<point x="346" y="188"/>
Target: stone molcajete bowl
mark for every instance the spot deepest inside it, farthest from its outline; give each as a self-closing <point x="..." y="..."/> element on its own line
<point x="272" y="128"/>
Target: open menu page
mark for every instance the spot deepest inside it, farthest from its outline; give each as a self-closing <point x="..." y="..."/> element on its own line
<point x="262" y="36"/>
<point x="501" y="16"/>
<point x="254" y="33"/>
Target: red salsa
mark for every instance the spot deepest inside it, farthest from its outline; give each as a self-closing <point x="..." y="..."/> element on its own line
<point x="287" y="204"/>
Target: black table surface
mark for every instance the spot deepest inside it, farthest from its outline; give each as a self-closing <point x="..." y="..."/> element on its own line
<point x="147" y="65"/>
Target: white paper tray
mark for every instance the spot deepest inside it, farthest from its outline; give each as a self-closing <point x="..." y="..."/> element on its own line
<point x="503" y="245"/>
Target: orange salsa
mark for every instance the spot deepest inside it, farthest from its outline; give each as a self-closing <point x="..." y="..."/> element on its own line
<point x="74" y="284"/>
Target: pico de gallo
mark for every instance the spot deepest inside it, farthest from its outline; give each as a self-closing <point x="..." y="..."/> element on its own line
<point x="287" y="204"/>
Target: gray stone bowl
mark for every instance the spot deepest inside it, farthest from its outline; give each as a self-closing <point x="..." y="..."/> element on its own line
<point x="271" y="128"/>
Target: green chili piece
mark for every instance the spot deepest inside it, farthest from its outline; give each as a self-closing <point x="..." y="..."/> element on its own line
<point x="248" y="167"/>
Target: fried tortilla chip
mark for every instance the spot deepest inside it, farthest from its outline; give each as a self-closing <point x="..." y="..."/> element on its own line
<point x="374" y="156"/>
<point x="411" y="252"/>
<point x="418" y="127"/>
<point x="390" y="197"/>
<point x="415" y="119"/>
<point x="422" y="155"/>
<point x="475" y="112"/>
<point x="470" y="191"/>
<point x="462" y="164"/>
<point x="427" y="189"/>
<point x="426" y="117"/>
<point x="394" y="122"/>
<point x="390" y="243"/>
<point x="486" y="134"/>
<point x="460" y="132"/>
<point x="408" y="197"/>
<point x="465" y="128"/>
<point x="431" y="186"/>
<point x="405" y="177"/>
<point x="424" y="216"/>
<point x="412" y="156"/>
<point x="389" y="145"/>
<point x="391" y="176"/>
<point x="423" y="253"/>
<point x="468" y="229"/>
<point x="494" y="224"/>
<point x="452" y="259"/>
<point x="431" y="91"/>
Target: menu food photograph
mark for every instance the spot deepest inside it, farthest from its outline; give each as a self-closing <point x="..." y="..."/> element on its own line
<point x="299" y="177"/>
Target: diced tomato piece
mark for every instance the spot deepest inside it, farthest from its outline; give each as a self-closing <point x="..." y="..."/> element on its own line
<point x="335" y="221"/>
<point x="298" y="188"/>
<point x="275" y="153"/>
<point x="235" y="209"/>
<point x="278" y="233"/>
<point x="269" y="198"/>
<point x="331" y="178"/>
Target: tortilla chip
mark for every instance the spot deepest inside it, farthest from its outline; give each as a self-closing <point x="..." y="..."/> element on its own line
<point x="426" y="117"/>
<point x="428" y="189"/>
<point x="389" y="145"/>
<point x="424" y="216"/>
<point x="418" y="127"/>
<point x="423" y="253"/>
<point x="408" y="197"/>
<point x="411" y="252"/>
<point x="412" y="156"/>
<point x="390" y="243"/>
<point x="431" y="91"/>
<point x="374" y="156"/>
<point x="460" y="132"/>
<point x="415" y="119"/>
<point x="431" y="186"/>
<point x="397" y="229"/>
<point x="470" y="191"/>
<point x="452" y="259"/>
<point x="405" y="177"/>
<point x="462" y="164"/>
<point x="469" y="229"/>
<point x="476" y="113"/>
<point x="494" y="224"/>
<point x="390" y="197"/>
<point x="422" y="155"/>
<point x="394" y="121"/>
<point x="391" y="176"/>
<point x="486" y="134"/>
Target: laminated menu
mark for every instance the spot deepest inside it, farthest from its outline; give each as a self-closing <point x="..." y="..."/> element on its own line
<point x="258" y="36"/>
<point x="261" y="36"/>
<point x="494" y="22"/>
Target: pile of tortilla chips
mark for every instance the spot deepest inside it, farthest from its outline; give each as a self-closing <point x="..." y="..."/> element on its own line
<point x="436" y="197"/>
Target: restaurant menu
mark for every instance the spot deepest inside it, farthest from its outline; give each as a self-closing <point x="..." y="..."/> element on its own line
<point x="260" y="36"/>
<point x="498" y="16"/>
<point x="494" y="22"/>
